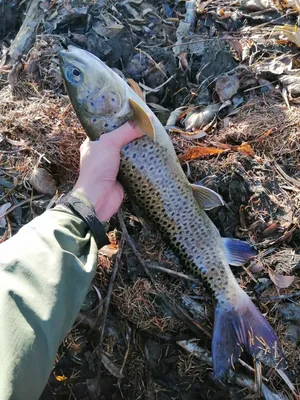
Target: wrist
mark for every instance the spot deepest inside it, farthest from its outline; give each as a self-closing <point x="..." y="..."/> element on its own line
<point x="96" y="200"/>
<point x="81" y="207"/>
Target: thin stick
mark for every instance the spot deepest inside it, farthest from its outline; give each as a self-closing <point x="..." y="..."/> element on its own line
<point x="172" y="273"/>
<point x="21" y="204"/>
<point x="106" y="307"/>
<point x="280" y="297"/>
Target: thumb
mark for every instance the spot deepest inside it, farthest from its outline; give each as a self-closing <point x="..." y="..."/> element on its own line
<point x="124" y="134"/>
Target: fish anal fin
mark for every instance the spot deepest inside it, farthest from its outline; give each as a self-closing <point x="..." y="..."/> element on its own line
<point x="207" y="198"/>
<point x="238" y="252"/>
<point x="142" y="119"/>
<point x="241" y="327"/>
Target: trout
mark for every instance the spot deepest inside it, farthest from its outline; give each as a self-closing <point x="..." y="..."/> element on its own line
<point x="154" y="180"/>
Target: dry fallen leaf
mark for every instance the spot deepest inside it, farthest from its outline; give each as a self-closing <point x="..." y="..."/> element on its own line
<point x="111" y="367"/>
<point x="42" y="181"/>
<point x="255" y="266"/>
<point x="202" y="5"/>
<point x="281" y="281"/>
<point x="245" y="148"/>
<point x="227" y="87"/>
<point x="292" y="33"/>
<point x="60" y="378"/>
<point x="196" y="120"/>
<point x="3" y="210"/>
<point x="198" y="152"/>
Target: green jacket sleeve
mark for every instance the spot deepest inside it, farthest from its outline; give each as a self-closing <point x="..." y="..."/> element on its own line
<point x="45" y="273"/>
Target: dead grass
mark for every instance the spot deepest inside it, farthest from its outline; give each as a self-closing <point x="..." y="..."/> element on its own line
<point x="43" y="127"/>
<point x="268" y="114"/>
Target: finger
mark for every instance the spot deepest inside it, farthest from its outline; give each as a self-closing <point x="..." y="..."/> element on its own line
<point x="123" y="135"/>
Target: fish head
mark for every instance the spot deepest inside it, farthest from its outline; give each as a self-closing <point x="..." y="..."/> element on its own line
<point x="97" y="94"/>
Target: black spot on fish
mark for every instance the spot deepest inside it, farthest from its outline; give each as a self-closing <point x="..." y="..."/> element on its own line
<point x="92" y="103"/>
<point x="106" y="125"/>
<point x="94" y="119"/>
<point x="113" y="99"/>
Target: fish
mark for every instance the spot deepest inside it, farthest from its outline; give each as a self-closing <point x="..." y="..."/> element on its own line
<point x="154" y="180"/>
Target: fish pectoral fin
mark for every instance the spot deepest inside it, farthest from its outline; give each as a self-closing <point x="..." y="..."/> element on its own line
<point x="142" y="119"/>
<point x="238" y="252"/>
<point x="135" y="87"/>
<point x="239" y="326"/>
<point x="207" y="198"/>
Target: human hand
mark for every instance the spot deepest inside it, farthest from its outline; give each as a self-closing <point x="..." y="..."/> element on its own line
<point x="99" y="166"/>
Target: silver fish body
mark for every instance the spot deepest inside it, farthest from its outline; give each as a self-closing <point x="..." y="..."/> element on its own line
<point x="153" y="178"/>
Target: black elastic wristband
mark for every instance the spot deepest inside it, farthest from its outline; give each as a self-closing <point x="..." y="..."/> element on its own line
<point x="89" y="217"/>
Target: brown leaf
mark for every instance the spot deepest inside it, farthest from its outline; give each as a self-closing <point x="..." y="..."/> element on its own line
<point x="198" y="152"/>
<point x="281" y="281"/>
<point x="245" y="148"/>
<point x="42" y="181"/>
<point x="60" y="378"/>
<point x="270" y="229"/>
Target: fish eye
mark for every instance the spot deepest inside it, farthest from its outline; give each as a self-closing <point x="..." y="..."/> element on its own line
<point x="74" y="75"/>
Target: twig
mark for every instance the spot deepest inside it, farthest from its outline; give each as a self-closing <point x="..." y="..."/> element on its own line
<point x="106" y="306"/>
<point x="172" y="273"/>
<point x="193" y="326"/>
<point x="280" y="297"/>
<point x="38" y="196"/>
<point x="233" y="376"/>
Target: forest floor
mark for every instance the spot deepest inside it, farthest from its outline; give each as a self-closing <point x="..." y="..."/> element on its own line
<point x="223" y="77"/>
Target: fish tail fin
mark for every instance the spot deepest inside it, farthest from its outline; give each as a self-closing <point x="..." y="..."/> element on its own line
<point x="241" y="326"/>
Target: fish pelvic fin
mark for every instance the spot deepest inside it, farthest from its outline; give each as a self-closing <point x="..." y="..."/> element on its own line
<point x="242" y="327"/>
<point x="207" y="198"/>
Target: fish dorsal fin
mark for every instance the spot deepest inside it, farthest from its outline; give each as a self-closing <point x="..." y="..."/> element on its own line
<point x="206" y="197"/>
<point x="238" y="252"/>
<point x="142" y="119"/>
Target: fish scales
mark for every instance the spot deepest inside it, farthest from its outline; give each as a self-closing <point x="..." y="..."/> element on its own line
<point x="154" y="180"/>
<point x="167" y="200"/>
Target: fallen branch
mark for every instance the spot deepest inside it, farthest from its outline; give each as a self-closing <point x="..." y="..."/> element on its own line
<point x="234" y="377"/>
<point x="26" y="36"/>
